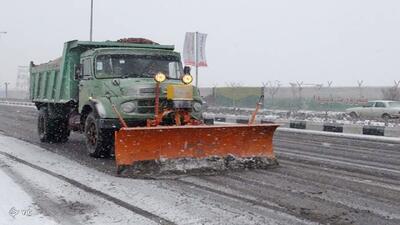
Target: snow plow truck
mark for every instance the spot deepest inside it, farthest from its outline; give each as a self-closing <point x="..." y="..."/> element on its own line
<point x="133" y="99"/>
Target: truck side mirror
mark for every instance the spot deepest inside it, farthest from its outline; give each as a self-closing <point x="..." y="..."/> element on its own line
<point x="186" y="70"/>
<point x="78" y="71"/>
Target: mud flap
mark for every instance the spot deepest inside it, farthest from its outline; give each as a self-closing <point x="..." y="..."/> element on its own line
<point x="143" y="144"/>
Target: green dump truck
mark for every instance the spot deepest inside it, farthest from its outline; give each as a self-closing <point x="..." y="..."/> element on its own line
<point x="94" y="87"/>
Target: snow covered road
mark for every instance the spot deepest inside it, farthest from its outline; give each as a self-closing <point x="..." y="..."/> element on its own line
<point x="73" y="194"/>
<point x="17" y="206"/>
<point x="321" y="180"/>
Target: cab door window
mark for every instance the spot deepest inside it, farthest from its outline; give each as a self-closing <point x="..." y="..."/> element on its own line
<point x="87" y="69"/>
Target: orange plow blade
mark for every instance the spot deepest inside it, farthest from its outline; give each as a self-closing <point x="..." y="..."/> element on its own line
<point x="141" y="144"/>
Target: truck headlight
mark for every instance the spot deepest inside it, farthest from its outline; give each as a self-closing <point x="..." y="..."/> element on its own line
<point x="187" y="79"/>
<point x="197" y="107"/>
<point x="160" y="77"/>
<point x="128" y="107"/>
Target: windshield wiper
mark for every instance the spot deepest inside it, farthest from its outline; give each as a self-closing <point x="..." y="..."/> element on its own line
<point x="134" y="75"/>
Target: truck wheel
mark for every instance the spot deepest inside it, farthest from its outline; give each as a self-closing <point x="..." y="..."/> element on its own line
<point x="43" y="126"/>
<point x="98" y="142"/>
<point x="52" y="130"/>
<point x="62" y="131"/>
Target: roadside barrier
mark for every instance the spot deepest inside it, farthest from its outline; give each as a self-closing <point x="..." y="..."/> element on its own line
<point x="333" y="127"/>
<point x="374" y="130"/>
<point x="316" y="126"/>
<point x="298" y="124"/>
<point x="17" y="103"/>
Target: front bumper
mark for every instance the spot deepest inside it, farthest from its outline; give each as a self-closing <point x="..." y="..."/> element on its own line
<point x="114" y="124"/>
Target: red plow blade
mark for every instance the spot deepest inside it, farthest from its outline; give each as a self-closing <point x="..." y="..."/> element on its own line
<point x="141" y="144"/>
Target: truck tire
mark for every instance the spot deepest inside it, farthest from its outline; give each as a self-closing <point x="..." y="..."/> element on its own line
<point x="99" y="142"/>
<point x="62" y="131"/>
<point x="52" y="130"/>
<point x="43" y="125"/>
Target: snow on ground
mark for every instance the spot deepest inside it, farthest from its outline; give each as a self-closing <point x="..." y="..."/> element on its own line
<point x="16" y="206"/>
<point x="343" y="135"/>
<point x="164" y="198"/>
<point x="30" y="194"/>
<point x="306" y="115"/>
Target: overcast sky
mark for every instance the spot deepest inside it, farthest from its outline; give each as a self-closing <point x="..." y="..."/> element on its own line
<point x="249" y="41"/>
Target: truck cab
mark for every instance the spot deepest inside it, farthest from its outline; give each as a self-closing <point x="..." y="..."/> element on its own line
<point x="125" y="77"/>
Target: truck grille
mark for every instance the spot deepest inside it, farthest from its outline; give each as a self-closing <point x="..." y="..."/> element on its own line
<point x="147" y="91"/>
<point x="146" y="106"/>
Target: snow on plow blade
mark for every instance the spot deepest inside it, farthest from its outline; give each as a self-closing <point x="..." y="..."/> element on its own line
<point x="252" y="144"/>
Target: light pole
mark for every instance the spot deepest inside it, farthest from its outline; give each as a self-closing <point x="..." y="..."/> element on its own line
<point x="6" y="87"/>
<point x="196" y="56"/>
<point x="91" y="20"/>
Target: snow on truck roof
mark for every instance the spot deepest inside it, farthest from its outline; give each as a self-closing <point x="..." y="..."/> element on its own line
<point x="139" y="44"/>
<point x="52" y="64"/>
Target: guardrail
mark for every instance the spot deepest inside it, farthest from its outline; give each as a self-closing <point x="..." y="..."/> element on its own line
<point x="331" y="127"/>
<point x="30" y="104"/>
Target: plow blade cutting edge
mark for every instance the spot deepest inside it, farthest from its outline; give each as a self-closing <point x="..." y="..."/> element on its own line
<point x="249" y="143"/>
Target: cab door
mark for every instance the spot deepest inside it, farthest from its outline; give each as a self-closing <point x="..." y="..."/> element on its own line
<point x="85" y="83"/>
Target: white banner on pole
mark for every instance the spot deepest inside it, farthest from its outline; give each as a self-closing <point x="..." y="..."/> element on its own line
<point x="189" y="49"/>
<point x="201" y="50"/>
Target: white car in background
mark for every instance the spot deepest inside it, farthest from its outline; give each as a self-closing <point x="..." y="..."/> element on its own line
<point x="379" y="109"/>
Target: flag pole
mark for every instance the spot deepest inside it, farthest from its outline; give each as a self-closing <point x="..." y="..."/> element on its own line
<point x="91" y="20"/>
<point x="197" y="57"/>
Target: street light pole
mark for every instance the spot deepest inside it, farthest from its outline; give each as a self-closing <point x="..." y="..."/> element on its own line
<point x="6" y="87"/>
<point x="91" y="20"/>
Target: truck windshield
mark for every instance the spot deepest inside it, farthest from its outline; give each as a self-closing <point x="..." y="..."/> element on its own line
<point x="137" y="66"/>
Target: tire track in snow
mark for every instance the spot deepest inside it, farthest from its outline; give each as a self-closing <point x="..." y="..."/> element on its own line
<point x="98" y="193"/>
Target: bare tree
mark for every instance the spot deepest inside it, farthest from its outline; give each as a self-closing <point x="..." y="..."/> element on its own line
<point x="360" y="83"/>
<point x="392" y="93"/>
<point x="234" y="85"/>
<point x="297" y="88"/>
<point x="300" y="88"/>
<point x="271" y="88"/>
<point x="214" y="94"/>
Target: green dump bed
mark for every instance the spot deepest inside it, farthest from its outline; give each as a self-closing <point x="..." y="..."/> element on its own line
<point x="54" y="82"/>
